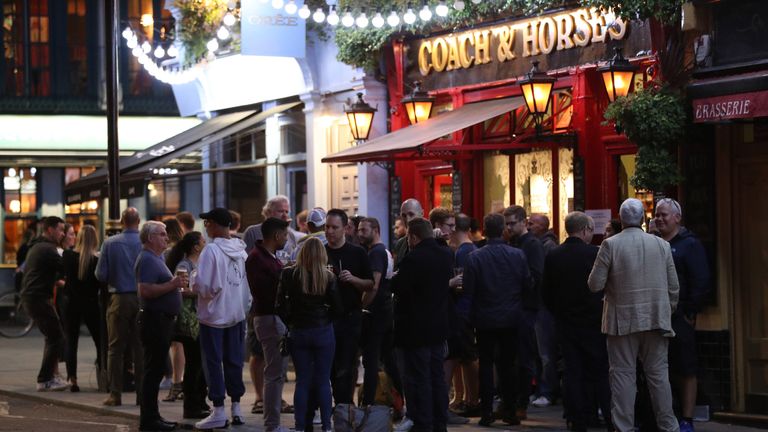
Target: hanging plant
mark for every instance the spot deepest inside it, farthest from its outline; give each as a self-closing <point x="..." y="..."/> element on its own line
<point x="654" y="119"/>
<point x="200" y="20"/>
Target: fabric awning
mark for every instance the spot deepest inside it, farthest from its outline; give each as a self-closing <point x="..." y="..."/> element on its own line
<point x="411" y="137"/>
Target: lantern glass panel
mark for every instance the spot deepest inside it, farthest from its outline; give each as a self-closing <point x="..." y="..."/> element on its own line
<point x="418" y="111"/>
<point x="360" y="124"/>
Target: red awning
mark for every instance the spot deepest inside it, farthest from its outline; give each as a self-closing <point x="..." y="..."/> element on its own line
<point x="732" y="106"/>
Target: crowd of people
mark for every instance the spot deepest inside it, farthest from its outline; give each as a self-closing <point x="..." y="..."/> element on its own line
<point x="459" y="322"/>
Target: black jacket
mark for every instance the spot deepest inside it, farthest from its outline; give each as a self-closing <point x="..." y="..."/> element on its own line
<point x="300" y="310"/>
<point x="692" y="271"/>
<point x="422" y="295"/>
<point x="534" y="253"/>
<point x="564" y="288"/>
<point x="76" y="288"/>
<point x="43" y="267"/>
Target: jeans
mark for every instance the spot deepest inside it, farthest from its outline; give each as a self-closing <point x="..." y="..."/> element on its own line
<point x="223" y="350"/>
<point x="347" y="333"/>
<point x="41" y="310"/>
<point x="586" y="369"/>
<point x="122" y="335"/>
<point x="76" y="310"/>
<point x="312" y="350"/>
<point x="546" y="339"/>
<point x="270" y="330"/>
<point x="156" y="330"/>
<point x="527" y="357"/>
<point x="503" y="341"/>
<point x="426" y="391"/>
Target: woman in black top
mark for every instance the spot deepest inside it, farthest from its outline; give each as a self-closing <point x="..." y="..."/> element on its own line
<point x="307" y="301"/>
<point x="81" y="297"/>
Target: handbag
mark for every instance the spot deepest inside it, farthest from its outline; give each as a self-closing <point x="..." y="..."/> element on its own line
<point x="373" y="418"/>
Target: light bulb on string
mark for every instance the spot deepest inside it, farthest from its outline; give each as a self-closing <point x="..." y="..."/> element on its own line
<point x="347" y="20"/>
<point x="378" y="20"/>
<point x="291" y="7"/>
<point x="304" y="12"/>
<point x="393" y="19"/>
<point x="136" y="51"/>
<point x="142" y="59"/>
<point x="425" y="14"/>
<point x="212" y="45"/>
<point x="362" y="20"/>
<point x="409" y="16"/>
<point x="318" y="16"/>
<point x="127" y="33"/>
<point x="459" y="5"/>
<point x="441" y="9"/>
<point x="278" y="4"/>
<point x="146" y="47"/>
<point x="477" y="1"/>
<point x="159" y="52"/>
<point x="222" y="33"/>
<point x="229" y="19"/>
<point x="333" y="17"/>
<point x="173" y="51"/>
<point x="132" y="43"/>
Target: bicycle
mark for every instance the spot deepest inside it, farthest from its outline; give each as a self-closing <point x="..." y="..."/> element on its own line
<point x="14" y="320"/>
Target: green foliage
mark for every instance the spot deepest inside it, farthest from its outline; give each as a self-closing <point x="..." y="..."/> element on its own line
<point x="654" y="119"/>
<point x="666" y="11"/>
<point x="200" y="20"/>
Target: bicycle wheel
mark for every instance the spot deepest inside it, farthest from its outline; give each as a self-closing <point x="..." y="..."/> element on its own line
<point x="14" y="320"/>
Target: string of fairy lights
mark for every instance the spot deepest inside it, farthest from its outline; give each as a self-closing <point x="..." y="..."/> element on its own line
<point x="151" y="58"/>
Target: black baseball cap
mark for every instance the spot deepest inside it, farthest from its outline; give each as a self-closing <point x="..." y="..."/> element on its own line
<point x="219" y="215"/>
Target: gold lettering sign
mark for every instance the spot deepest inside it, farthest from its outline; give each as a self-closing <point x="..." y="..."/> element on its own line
<point x="537" y="36"/>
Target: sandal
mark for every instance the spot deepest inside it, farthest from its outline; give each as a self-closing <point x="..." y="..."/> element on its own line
<point x="174" y="393"/>
<point x="286" y="408"/>
<point x="258" y="407"/>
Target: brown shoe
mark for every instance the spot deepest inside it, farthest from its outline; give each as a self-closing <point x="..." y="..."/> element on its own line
<point x="114" y="399"/>
<point x="521" y="414"/>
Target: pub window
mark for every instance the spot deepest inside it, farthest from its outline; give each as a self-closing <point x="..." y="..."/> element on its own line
<point x="75" y="173"/>
<point x="77" y="37"/>
<point x="625" y="171"/>
<point x="164" y="198"/>
<point x="20" y="204"/>
<point x="245" y="147"/>
<point x="293" y="136"/>
<point x="87" y="209"/>
<point x="15" y="67"/>
<point x="154" y="28"/>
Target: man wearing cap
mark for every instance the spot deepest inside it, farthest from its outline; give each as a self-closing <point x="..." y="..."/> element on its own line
<point x="277" y="207"/>
<point x="223" y="300"/>
<point x="316" y="226"/>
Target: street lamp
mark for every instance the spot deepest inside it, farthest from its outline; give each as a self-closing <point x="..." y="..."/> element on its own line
<point x="418" y="104"/>
<point x="618" y="75"/>
<point x="537" y="89"/>
<point x="360" y="116"/>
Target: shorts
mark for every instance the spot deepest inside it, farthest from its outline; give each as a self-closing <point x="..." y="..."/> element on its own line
<point x="461" y="344"/>
<point x="254" y="346"/>
<point x="682" y="348"/>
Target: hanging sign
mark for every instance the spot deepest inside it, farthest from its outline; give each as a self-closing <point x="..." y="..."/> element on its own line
<point x="267" y="31"/>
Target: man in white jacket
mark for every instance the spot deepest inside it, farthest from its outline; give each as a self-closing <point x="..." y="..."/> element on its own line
<point x="223" y="300"/>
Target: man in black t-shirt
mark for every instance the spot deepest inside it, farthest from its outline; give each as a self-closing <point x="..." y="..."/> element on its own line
<point x="351" y="266"/>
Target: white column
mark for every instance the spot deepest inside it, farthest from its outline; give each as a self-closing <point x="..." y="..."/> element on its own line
<point x="272" y="136"/>
<point x="317" y="148"/>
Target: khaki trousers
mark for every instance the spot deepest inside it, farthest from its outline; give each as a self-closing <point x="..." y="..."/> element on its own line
<point x="123" y="334"/>
<point x="623" y="351"/>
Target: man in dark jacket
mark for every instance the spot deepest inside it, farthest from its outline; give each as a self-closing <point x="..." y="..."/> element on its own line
<point x="410" y="209"/>
<point x="515" y="218"/>
<point x="495" y="278"/>
<point x="43" y="268"/>
<point x="421" y="325"/>
<point x="578" y="314"/>
<point x="693" y="275"/>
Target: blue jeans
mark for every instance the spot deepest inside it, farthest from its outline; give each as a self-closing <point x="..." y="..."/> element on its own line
<point x="546" y="339"/>
<point x="223" y="347"/>
<point x="312" y="350"/>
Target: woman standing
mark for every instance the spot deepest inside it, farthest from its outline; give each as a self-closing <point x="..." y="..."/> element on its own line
<point x="175" y="372"/>
<point x="307" y="302"/>
<point x="80" y="296"/>
<point x="183" y="257"/>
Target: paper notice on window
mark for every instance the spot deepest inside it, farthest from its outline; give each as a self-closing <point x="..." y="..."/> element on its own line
<point x="602" y="217"/>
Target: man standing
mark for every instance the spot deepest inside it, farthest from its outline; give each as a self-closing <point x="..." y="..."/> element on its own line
<point x="443" y="223"/>
<point x="223" y="301"/>
<point x="116" y="269"/>
<point x="693" y="276"/>
<point x="637" y="272"/>
<point x="421" y="325"/>
<point x="410" y="209"/>
<point x="538" y="225"/>
<point x="277" y="207"/>
<point x="160" y="303"/>
<point x="495" y="277"/>
<point x="515" y="218"/>
<point x="43" y="268"/>
<point x="263" y="270"/>
<point x="577" y="313"/>
<point x="351" y="266"/>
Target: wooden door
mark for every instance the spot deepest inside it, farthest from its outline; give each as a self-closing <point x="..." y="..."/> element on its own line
<point x="751" y="268"/>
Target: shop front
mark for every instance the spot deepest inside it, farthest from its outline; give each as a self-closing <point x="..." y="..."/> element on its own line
<point x="484" y="148"/>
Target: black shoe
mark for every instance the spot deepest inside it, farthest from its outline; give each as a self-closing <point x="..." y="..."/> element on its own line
<point x="201" y="414"/>
<point x="157" y="425"/>
<point x="486" y="421"/>
<point x="511" y="419"/>
<point x="172" y="423"/>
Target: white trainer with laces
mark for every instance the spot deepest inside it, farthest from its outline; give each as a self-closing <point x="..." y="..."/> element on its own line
<point x="55" y="384"/>
<point x="217" y="420"/>
<point x="237" y="415"/>
<point x="541" y="402"/>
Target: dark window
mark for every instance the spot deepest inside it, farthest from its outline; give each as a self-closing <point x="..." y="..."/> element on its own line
<point x="164" y="198"/>
<point x="77" y="39"/>
<point x="36" y="69"/>
<point x="294" y="138"/>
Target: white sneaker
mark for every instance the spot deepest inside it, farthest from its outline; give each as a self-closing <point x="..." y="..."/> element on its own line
<point x="237" y="416"/>
<point x="218" y="419"/>
<point x="404" y="426"/>
<point x="542" y="402"/>
<point x="52" y="385"/>
<point x="166" y="383"/>
<point x="317" y="419"/>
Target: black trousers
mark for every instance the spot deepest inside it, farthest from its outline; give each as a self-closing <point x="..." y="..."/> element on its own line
<point x="426" y="391"/>
<point x="43" y="312"/>
<point x="347" y="332"/>
<point x="155" y="331"/>
<point x="375" y="327"/>
<point x="489" y="342"/>
<point x="77" y="310"/>
<point x="195" y="389"/>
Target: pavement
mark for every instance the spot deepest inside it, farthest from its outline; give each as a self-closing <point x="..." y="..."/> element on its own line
<point x="20" y="362"/>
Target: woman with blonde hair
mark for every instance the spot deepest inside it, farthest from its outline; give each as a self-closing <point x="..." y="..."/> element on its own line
<point x="307" y="302"/>
<point x="81" y="296"/>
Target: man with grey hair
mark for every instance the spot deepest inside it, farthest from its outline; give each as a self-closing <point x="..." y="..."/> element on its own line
<point x="277" y="207"/>
<point x="694" y="276"/>
<point x="637" y="272"/>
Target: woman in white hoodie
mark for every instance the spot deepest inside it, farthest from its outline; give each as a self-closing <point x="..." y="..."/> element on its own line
<point x="223" y="300"/>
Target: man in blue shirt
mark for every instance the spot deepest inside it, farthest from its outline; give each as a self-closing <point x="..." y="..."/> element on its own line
<point x="115" y="268"/>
